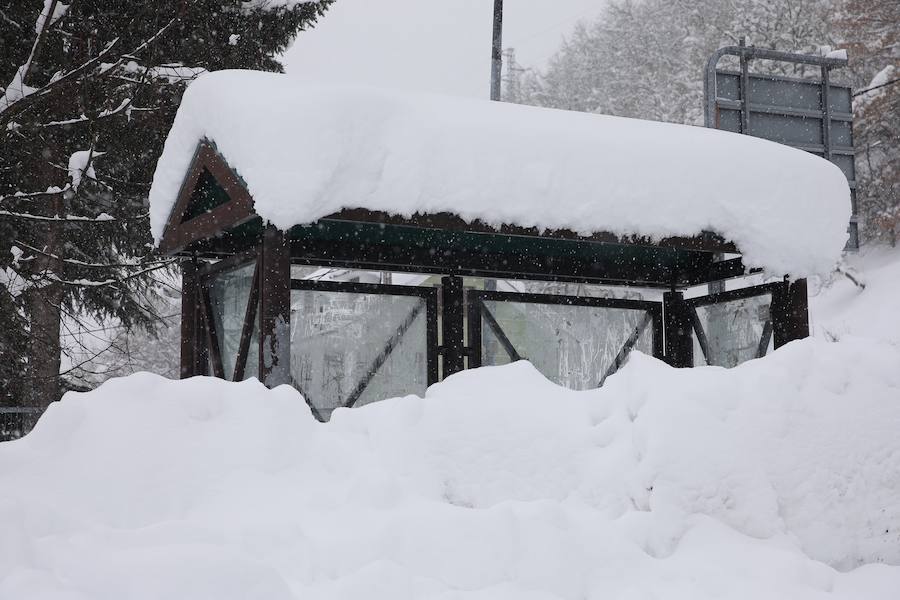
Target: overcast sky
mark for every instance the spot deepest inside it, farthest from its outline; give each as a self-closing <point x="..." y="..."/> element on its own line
<point x="434" y="45"/>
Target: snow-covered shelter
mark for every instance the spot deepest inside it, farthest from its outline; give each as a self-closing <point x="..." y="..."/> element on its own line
<point x="262" y="174"/>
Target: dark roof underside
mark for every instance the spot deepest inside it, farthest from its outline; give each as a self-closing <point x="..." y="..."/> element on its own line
<point x="214" y="217"/>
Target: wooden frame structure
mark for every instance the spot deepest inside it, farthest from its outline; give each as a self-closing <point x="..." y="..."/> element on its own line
<point x="214" y="228"/>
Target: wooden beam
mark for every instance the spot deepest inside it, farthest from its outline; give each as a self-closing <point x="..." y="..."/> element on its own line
<point x="190" y="330"/>
<point x="790" y="312"/>
<point x="678" y="327"/>
<point x="239" y="209"/>
<point x="275" y="309"/>
<point x="452" y="322"/>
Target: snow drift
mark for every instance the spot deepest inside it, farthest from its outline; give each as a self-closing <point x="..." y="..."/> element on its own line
<point x="776" y="479"/>
<point x="307" y="151"/>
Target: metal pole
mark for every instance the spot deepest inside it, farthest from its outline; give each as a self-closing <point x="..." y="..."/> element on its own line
<point x="826" y="112"/>
<point x="497" y="50"/>
<point x="745" y="89"/>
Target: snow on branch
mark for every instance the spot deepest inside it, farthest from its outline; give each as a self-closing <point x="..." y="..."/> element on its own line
<point x="109" y="281"/>
<point x="101" y="218"/>
<point x="125" y="105"/>
<point x="81" y="164"/>
<point x="58" y="9"/>
<point x="51" y="191"/>
<point x="10" y="108"/>
<point x="88" y="265"/>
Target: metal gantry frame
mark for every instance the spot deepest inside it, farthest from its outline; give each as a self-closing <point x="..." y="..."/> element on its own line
<point x="747" y="107"/>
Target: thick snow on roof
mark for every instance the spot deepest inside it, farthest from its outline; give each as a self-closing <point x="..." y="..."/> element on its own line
<point x="308" y="151"/>
<point x="764" y="481"/>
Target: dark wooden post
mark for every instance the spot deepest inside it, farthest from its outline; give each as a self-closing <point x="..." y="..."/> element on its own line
<point x="452" y="324"/>
<point x="790" y="312"/>
<point x="275" y="308"/>
<point x="678" y="327"/>
<point x="193" y="355"/>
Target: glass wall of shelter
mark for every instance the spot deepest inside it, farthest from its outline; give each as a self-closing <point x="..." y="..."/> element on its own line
<point x="355" y="336"/>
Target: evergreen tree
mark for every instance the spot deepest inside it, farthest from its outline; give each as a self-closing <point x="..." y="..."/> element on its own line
<point x="646" y="59"/>
<point x="871" y="31"/>
<point x="92" y="89"/>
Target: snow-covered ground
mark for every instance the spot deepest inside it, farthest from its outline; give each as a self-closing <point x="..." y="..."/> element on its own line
<point x="839" y="308"/>
<point x="776" y="479"/>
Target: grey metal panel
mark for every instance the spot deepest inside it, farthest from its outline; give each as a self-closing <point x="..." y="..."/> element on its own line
<point x="730" y="120"/>
<point x="841" y="135"/>
<point x="785" y="129"/>
<point x="787" y="94"/>
<point x="728" y="86"/>
<point x="809" y="114"/>
<point x="846" y="164"/>
<point x="840" y="99"/>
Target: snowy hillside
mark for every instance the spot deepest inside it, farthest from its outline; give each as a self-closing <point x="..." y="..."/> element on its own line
<point x="841" y="308"/>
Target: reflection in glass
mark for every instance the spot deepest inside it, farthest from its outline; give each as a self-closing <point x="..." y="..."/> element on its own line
<point x="357" y="348"/>
<point x="229" y="292"/>
<point x="734" y="331"/>
<point x="574" y="346"/>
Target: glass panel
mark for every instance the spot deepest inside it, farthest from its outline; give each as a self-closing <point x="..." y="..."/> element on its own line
<point x="229" y="292"/>
<point x="573" y="346"/>
<point x="733" y="330"/>
<point x="340" y="340"/>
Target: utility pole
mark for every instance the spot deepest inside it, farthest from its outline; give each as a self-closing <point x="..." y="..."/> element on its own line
<point x="497" y="50"/>
<point x="496" y="72"/>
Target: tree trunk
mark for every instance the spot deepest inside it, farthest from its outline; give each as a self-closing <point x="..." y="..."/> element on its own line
<point x="44" y="346"/>
<point x="43" y="304"/>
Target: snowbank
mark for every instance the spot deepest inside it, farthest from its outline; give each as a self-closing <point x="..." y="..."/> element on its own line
<point x="777" y="479"/>
<point x="308" y="151"/>
<point x="840" y="308"/>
